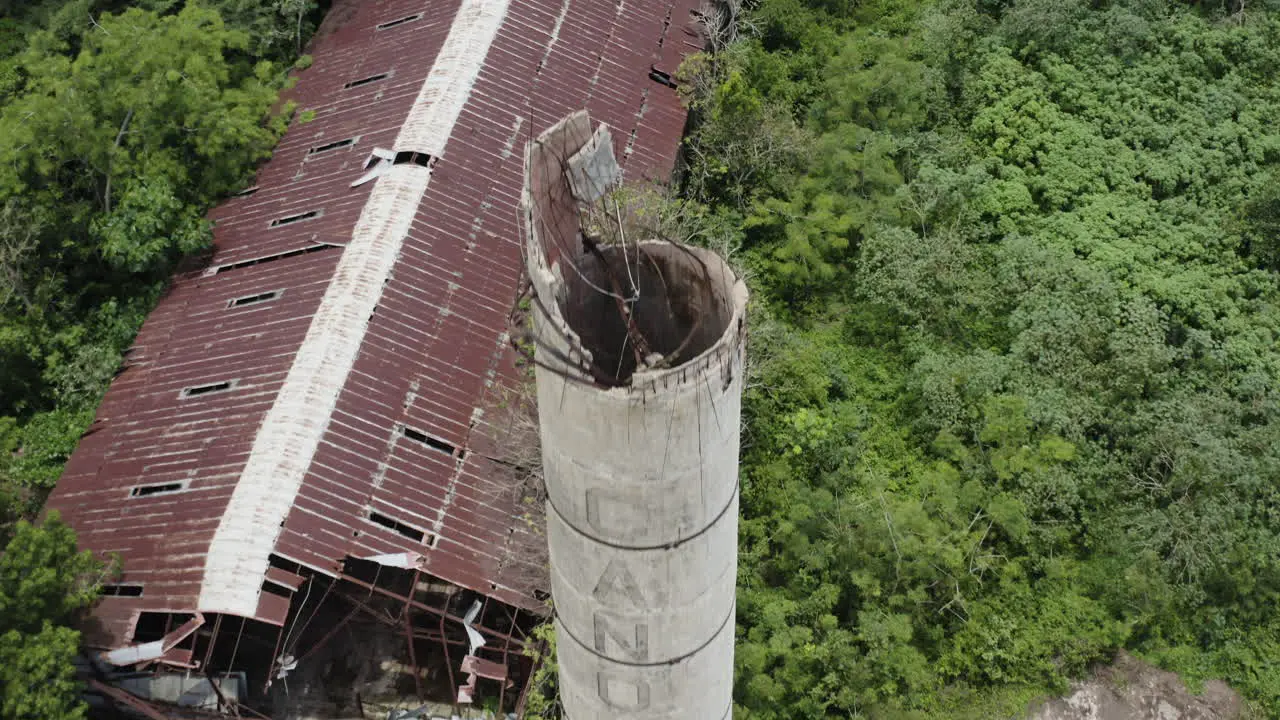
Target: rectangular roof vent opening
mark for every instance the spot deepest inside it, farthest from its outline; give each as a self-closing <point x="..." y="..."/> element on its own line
<point x="290" y="219"/>
<point x="410" y="156"/>
<point x="366" y="81"/>
<point x="327" y="147"/>
<point x="434" y="443"/>
<point x="659" y="76"/>
<point x="157" y="489"/>
<point x="121" y="590"/>
<point x="269" y="258"/>
<point x="254" y="299"/>
<point x="404" y="529"/>
<point x="401" y="21"/>
<point x="198" y="390"/>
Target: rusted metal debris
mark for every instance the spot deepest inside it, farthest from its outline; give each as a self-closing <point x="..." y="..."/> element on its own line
<point x="129" y="700"/>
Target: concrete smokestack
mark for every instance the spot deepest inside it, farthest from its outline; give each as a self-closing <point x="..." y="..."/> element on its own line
<point x="639" y="354"/>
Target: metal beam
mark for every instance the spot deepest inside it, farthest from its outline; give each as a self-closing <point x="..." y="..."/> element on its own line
<point x="533" y="674"/>
<point x="213" y="639"/>
<point x="359" y="605"/>
<point x="506" y="662"/>
<point x="128" y="698"/>
<point x="328" y="635"/>
<point x="442" y="614"/>
<point x="217" y="690"/>
<point x="407" y="612"/>
<point x="448" y="664"/>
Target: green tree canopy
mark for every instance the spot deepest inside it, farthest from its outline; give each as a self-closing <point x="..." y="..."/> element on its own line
<point x="1016" y="350"/>
<point x="44" y="582"/>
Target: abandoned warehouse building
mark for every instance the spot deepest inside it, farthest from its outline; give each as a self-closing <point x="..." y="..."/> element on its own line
<point x="309" y="464"/>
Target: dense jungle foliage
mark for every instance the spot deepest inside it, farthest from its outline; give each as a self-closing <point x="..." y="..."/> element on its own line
<point x="1015" y="339"/>
<point x="121" y="123"/>
<point x="1016" y="391"/>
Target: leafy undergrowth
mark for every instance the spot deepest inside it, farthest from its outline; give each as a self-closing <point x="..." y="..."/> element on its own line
<point x="1015" y="360"/>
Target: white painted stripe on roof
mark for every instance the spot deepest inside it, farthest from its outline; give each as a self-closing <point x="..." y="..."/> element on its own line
<point x="286" y="442"/>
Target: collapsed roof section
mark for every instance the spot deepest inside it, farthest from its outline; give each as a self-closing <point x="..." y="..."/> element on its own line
<point x="326" y="388"/>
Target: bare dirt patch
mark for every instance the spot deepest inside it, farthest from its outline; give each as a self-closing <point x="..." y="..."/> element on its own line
<point x="1130" y="689"/>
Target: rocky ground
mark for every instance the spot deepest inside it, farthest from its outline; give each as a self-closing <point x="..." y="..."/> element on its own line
<point x="1132" y="690"/>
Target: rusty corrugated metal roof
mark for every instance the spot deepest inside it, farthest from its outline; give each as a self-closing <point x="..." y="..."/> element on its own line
<point x="173" y="447"/>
